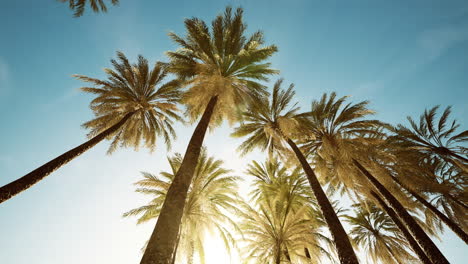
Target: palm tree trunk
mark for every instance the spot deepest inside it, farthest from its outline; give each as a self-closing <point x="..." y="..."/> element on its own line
<point x="451" y="224"/>
<point x="418" y="233"/>
<point x="175" y="250"/>
<point x="459" y="157"/>
<point x="191" y="253"/>
<point x="392" y="253"/>
<point x="340" y="238"/>
<point x="411" y="241"/>
<point x="28" y="180"/>
<point x="288" y="257"/>
<point x="164" y="237"/>
<point x="457" y="201"/>
<point x="278" y="255"/>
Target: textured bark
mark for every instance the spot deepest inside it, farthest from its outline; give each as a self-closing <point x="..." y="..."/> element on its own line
<point x="451" y="224"/>
<point x="340" y="238"/>
<point x="28" y="180"/>
<point x="411" y="241"/>
<point x="163" y="240"/>
<point x="418" y="233"/>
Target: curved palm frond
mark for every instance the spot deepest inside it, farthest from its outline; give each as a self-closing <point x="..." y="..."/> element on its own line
<point x="433" y="137"/>
<point x="79" y="6"/>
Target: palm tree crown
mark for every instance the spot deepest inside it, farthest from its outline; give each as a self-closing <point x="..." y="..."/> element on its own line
<point x="79" y="5"/>
<point x="212" y="195"/>
<point x="381" y="239"/>
<point x="282" y="225"/>
<point x="136" y="89"/>
<point x="222" y="62"/>
<point x="268" y="122"/>
<point x="432" y="137"/>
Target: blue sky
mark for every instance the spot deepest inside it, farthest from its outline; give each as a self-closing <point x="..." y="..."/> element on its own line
<point x="403" y="56"/>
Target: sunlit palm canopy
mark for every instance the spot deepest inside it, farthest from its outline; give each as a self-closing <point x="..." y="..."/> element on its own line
<point x="269" y="122"/>
<point x="79" y="6"/>
<point x="374" y="232"/>
<point x="274" y="231"/>
<point x="138" y="89"/>
<point x="211" y="198"/>
<point x="273" y="178"/>
<point x="332" y="119"/>
<point x="336" y="131"/>
<point x="282" y="223"/>
<point x="221" y="62"/>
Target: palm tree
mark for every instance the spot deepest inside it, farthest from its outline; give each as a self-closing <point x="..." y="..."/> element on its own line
<point x="434" y="138"/>
<point x="404" y="231"/>
<point x="212" y="193"/>
<point x="446" y="187"/>
<point x="282" y="226"/>
<point x="373" y="230"/>
<point x="133" y="105"/>
<point x="431" y="250"/>
<point x="79" y="5"/>
<point x="342" y="135"/>
<point x="221" y="69"/>
<point x="270" y="125"/>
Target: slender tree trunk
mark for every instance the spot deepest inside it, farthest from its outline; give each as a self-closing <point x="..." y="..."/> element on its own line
<point x="459" y="157"/>
<point x="418" y="233"/>
<point x="451" y="224"/>
<point x="191" y="253"/>
<point x="411" y="241"/>
<point x="278" y="255"/>
<point x="457" y="201"/>
<point x="340" y="238"/>
<point x="175" y="250"/>
<point x="164" y="237"/>
<point x="28" y="180"/>
<point x="286" y="253"/>
<point x="392" y="253"/>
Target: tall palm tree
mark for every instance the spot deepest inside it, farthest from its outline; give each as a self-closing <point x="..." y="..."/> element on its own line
<point x="270" y="125"/>
<point x="281" y="226"/>
<point x="212" y="193"/>
<point x="133" y="105"/>
<point x="342" y="134"/>
<point x="96" y="5"/>
<point x="221" y="69"/>
<point x="374" y="231"/>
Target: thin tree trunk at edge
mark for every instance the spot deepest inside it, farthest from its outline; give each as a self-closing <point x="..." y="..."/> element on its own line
<point x="340" y="238"/>
<point x="392" y="253"/>
<point x="411" y="241"/>
<point x="28" y="180"/>
<point x="451" y="224"/>
<point x="163" y="240"/>
<point x="418" y="233"/>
